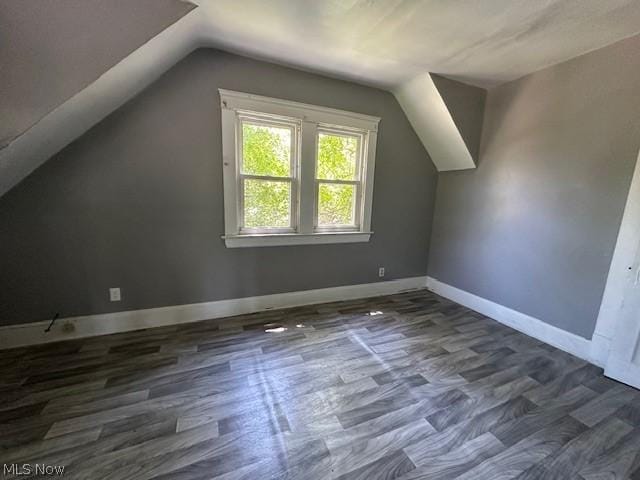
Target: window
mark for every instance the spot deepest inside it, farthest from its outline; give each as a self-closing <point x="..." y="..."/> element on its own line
<point x="267" y="174"/>
<point x="295" y="173"/>
<point x="338" y="180"/>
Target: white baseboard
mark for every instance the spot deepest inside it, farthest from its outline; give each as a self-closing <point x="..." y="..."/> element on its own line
<point x="574" y="344"/>
<point x="107" y="323"/>
<point x="595" y="351"/>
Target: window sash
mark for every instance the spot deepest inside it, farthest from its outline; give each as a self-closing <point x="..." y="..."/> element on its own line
<point x="357" y="207"/>
<point x="357" y="181"/>
<point x="345" y="133"/>
<point x="294" y="158"/>
<point x="241" y="188"/>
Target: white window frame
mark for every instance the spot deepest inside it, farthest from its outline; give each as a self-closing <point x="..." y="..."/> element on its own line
<point x="357" y="182"/>
<point x="292" y="179"/>
<point x="309" y="120"/>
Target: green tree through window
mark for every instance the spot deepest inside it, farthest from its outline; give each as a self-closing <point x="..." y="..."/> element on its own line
<point x="337" y="157"/>
<point x="266" y="152"/>
<point x="337" y="160"/>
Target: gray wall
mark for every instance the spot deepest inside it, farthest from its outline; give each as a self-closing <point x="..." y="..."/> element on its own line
<point x="534" y="227"/>
<point x="52" y="49"/>
<point x="137" y="203"/>
<point x="466" y="106"/>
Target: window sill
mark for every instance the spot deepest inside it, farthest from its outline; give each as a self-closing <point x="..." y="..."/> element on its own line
<point x="281" y="239"/>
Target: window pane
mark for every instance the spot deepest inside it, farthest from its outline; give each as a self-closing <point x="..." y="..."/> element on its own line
<point x="336" y="204"/>
<point x="267" y="204"/>
<point x="266" y="150"/>
<point x="337" y="157"/>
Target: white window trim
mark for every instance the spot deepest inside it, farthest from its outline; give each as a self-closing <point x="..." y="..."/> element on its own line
<point x="292" y="180"/>
<point x="310" y="118"/>
<point x="358" y="183"/>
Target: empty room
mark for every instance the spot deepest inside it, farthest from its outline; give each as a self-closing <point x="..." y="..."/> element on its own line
<point x="320" y="239"/>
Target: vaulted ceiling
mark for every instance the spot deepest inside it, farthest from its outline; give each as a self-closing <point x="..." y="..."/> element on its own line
<point x="52" y="49"/>
<point x="65" y="65"/>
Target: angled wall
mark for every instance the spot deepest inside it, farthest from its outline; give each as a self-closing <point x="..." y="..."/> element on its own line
<point x="113" y="88"/>
<point x="50" y="50"/>
<point x="466" y="106"/>
<point x="426" y="108"/>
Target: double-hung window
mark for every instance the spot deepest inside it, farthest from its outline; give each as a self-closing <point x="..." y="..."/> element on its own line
<point x="267" y="174"/>
<point x="295" y="173"/>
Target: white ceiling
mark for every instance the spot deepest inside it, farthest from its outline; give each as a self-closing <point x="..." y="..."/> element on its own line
<point x="392" y="44"/>
<point x="386" y="42"/>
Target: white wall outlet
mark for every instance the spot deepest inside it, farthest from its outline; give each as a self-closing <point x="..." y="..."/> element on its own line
<point x="114" y="294"/>
<point x="381" y="272"/>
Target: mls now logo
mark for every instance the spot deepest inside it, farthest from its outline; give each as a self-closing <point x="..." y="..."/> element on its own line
<point x="37" y="468"/>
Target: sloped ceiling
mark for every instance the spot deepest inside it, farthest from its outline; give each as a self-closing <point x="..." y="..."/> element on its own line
<point x="53" y="54"/>
<point x="112" y="89"/>
<point x="52" y="49"/>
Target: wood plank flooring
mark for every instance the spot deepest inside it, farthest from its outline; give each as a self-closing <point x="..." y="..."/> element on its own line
<point x="407" y="386"/>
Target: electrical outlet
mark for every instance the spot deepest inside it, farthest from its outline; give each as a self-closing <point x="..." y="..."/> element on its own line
<point x="114" y="294"/>
<point x="381" y="272"/>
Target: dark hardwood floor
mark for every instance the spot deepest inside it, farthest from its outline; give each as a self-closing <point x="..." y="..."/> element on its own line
<point x="408" y="386"/>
